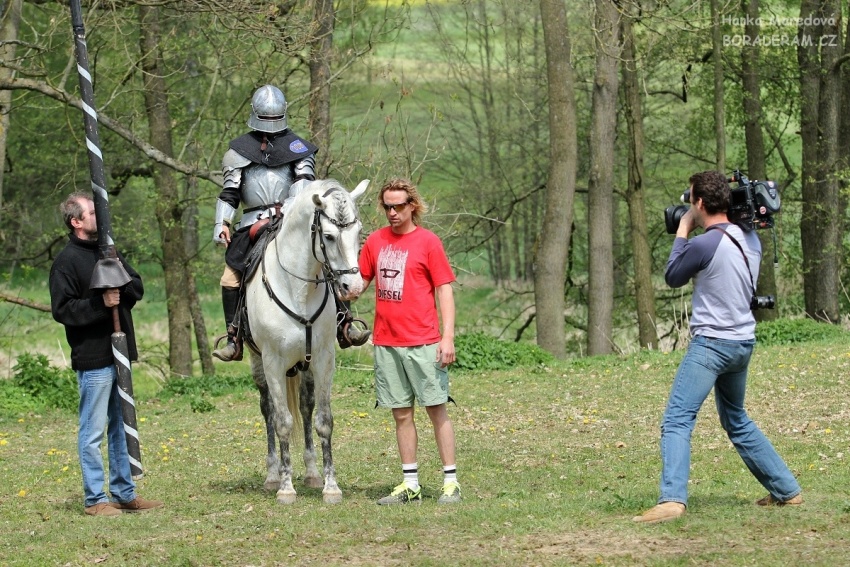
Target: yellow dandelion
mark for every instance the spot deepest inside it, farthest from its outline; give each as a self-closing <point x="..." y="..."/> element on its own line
<point x="827" y="430"/>
<point x="65" y="468"/>
<point x="3" y="442"/>
<point x="143" y="419"/>
<point x="21" y="420"/>
<point x="22" y="493"/>
<point x="165" y="458"/>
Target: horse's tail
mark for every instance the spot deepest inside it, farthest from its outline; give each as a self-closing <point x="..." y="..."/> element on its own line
<point x="293" y="401"/>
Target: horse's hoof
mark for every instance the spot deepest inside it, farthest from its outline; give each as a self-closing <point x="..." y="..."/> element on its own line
<point x="313" y="482"/>
<point x="285" y="497"/>
<point x="271" y="485"/>
<point x="332" y="497"/>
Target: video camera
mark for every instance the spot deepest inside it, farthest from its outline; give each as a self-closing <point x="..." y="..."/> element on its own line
<point x="752" y="205"/>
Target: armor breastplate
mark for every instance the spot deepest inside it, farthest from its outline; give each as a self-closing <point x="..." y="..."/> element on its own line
<point x="262" y="187"/>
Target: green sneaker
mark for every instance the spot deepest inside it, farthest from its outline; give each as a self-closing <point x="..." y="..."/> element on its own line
<point x="451" y="493"/>
<point x="402" y="494"/>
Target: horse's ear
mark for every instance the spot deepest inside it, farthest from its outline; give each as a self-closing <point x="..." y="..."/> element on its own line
<point x="360" y="189"/>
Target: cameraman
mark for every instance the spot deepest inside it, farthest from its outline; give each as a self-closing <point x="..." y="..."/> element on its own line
<point x="723" y="263"/>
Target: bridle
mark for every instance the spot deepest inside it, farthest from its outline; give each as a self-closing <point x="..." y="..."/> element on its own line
<point x="329" y="278"/>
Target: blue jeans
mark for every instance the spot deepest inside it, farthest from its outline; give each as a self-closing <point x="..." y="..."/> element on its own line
<point x="721" y="364"/>
<point x="100" y="408"/>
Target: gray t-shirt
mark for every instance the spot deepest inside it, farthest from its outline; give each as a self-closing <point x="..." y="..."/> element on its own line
<point x="722" y="285"/>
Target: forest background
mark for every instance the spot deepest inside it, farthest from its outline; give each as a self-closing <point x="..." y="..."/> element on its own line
<point x="547" y="137"/>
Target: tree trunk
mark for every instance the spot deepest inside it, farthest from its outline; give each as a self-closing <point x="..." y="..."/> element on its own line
<point x="603" y="130"/>
<point x="719" y="111"/>
<point x="829" y="272"/>
<point x="550" y="264"/>
<point x="635" y="196"/>
<point x="844" y="141"/>
<point x="169" y="212"/>
<point x="10" y="21"/>
<point x="756" y="167"/>
<point x="321" y="52"/>
<point x="820" y="99"/>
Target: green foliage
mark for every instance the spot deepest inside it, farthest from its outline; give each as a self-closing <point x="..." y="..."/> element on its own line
<point x="201" y="405"/>
<point x="795" y="331"/>
<point x="45" y="384"/>
<point x="14" y="400"/>
<point x="479" y="351"/>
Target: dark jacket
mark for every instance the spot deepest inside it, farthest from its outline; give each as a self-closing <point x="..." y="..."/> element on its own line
<point x="88" y="322"/>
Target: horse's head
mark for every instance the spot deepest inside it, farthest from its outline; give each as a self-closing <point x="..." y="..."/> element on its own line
<point x="338" y="228"/>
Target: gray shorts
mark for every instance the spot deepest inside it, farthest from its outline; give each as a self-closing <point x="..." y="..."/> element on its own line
<point x="405" y="373"/>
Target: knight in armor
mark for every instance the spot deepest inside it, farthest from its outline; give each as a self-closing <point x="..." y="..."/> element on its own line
<point x="262" y="170"/>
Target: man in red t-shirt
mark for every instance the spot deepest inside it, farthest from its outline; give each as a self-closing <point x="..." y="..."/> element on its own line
<point x="411" y="270"/>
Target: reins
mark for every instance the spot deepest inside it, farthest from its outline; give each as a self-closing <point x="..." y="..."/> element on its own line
<point x="329" y="276"/>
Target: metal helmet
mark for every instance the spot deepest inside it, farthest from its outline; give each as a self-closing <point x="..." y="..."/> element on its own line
<point x="268" y="110"/>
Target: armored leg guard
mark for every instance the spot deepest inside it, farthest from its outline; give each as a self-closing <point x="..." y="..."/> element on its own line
<point x="347" y="335"/>
<point x="233" y="349"/>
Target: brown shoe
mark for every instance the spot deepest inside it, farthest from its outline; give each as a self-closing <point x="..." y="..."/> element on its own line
<point x="102" y="509"/>
<point x="769" y="500"/>
<point x="229" y="352"/>
<point x="356" y="336"/>
<point x="663" y="512"/>
<point x="137" y="505"/>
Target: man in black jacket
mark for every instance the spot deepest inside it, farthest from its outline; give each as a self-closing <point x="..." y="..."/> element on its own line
<point x="87" y="317"/>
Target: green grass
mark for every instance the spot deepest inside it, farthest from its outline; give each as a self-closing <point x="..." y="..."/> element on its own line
<point x="554" y="460"/>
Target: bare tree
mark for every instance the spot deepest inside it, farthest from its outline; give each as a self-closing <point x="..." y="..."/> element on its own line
<point x="719" y="112"/>
<point x="635" y="193"/>
<point x="169" y="211"/>
<point x="10" y="20"/>
<point x="551" y="258"/>
<point x="600" y="190"/>
<point x="321" y="46"/>
<point x="819" y="60"/>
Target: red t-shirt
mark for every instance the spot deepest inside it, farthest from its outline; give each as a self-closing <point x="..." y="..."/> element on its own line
<point x="406" y="269"/>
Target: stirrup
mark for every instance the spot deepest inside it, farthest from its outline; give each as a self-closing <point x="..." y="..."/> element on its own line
<point x="231" y="340"/>
<point x="343" y="329"/>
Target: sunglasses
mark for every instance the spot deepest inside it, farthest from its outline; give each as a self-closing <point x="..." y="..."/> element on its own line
<point x="397" y="207"/>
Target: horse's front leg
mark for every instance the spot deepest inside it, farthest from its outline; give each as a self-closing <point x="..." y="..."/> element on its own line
<point x="331" y="493"/>
<point x="283" y="421"/>
<point x="308" y="402"/>
<point x="272" y="481"/>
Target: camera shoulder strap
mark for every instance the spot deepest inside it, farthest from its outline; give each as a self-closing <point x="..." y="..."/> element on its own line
<point x="738" y="244"/>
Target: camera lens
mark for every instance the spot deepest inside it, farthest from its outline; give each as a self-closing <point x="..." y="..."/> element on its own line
<point x="673" y="216"/>
<point x="763" y="302"/>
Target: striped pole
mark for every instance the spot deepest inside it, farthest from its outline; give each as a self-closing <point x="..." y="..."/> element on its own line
<point x="108" y="272"/>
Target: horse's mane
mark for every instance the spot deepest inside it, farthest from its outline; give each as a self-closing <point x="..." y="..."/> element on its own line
<point x="346" y="212"/>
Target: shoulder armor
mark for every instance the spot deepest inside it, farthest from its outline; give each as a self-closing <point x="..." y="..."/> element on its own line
<point x="234" y="160"/>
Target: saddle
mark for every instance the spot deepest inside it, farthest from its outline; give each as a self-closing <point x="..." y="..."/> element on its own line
<point x="260" y="234"/>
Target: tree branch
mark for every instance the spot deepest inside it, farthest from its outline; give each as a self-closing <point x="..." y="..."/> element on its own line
<point x="66" y="98"/>
<point x="25" y="302"/>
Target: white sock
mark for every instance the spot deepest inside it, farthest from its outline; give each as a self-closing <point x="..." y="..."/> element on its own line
<point x="449" y="474"/>
<point x="411" y="475"/>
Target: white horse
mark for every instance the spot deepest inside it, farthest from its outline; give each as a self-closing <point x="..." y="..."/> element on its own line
<point x="292" y="318"/>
